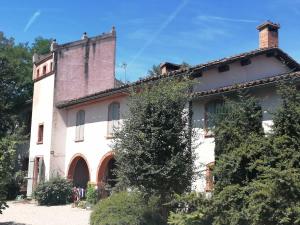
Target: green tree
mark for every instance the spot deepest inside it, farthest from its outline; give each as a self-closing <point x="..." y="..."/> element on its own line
<point x="154" y="71"/>
<point x="15" y="90"/>
<point x="7" y="157"/>
<point x="153" y="150"/>
<point x="257" y="176"/>
<point x="238" y="144"/>
<point x="41" y="46"/>
<point x="274" y="198"/>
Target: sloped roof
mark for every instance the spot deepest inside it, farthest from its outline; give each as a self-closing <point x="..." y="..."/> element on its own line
<point x="255" y="83"/>
<point x="191" y="71"/>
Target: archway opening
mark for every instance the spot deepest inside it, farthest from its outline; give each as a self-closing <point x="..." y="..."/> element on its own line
<point x="79" y="172"/>
<point x="110" y="176"/>
<point x="106" y="175"/>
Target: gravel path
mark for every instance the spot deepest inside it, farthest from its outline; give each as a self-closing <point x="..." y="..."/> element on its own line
<point x="27" y="213"/>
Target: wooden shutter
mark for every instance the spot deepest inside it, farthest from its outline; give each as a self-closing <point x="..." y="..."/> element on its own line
<point x="80" y="121"/>
<point x="113" y="117"/>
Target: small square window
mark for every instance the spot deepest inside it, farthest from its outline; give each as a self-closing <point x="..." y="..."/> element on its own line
<point x="245" y="62"/>
<point x="223" y="68"/>
<point x="40" y="134"/>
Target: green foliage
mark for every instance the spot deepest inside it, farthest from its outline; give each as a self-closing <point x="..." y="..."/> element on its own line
<point x="190" y="209"/>
<point x="15" y="183"/>
<point x="7" y="157"/>
<point x="257" y="177"/>
<point x="91" y="194"/>
<point x="56" y="191"/>
<point x="15" y="91"/>
<point x="125" y="208"/>
<point x="154" y="71"/>
<point x="274" y="197"/>
<point x="41" y="46"/>
<point x="153" y="151"/>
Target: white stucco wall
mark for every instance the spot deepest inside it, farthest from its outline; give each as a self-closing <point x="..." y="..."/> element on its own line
<point x="59" y="146"/>
<point x="42" y="110"/>
<point x="261" y="67"/>
<point x="96" y="143"/>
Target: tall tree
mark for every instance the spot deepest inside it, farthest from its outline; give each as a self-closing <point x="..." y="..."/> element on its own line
<point x="153" y="150"/>
<point x="154" y="71"/>
<point x="274" y="198"/>
<point x="257" y="176"/>
<point x="15" y="91"/>
<point x="41" y="46"/>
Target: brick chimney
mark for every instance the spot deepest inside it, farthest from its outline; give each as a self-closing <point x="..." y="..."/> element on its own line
<point x="268" y="34"/>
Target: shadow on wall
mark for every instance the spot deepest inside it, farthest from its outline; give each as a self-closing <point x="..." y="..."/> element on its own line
<point x="12" y="223"/>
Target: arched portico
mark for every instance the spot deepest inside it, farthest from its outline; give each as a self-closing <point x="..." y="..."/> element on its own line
<point x="106" y="178"/>
<point x="78" y="171"/>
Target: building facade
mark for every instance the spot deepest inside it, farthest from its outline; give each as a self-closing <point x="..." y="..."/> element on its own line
<point x="77" y="102"/>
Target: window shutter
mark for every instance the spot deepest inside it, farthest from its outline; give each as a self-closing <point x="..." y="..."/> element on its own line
<point x="113" y="117"/>
<point x="80" y="121"/>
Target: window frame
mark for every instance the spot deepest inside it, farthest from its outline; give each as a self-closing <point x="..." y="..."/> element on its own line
<point x="111" y="120"/>
<point x="79" y="125"/>
<point x="207" y="129"/>
<point x="44" y="69"/>
<point x="40" y="134"/>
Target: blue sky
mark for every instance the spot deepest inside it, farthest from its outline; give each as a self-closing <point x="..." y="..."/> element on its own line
<point x="154" y="31"/>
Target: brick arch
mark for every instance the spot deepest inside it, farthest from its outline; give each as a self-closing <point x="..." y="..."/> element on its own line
<point x="72" y="166"/>
<point x="103" y="166"/>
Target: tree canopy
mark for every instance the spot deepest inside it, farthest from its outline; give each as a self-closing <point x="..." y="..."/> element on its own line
<point x="256" y="175"/>
<point x="15" y="91"/>
<point x="153" y="149"/>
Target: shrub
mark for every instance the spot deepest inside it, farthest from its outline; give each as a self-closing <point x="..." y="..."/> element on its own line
<point x="126" y="209"/>
<point x="56" y="191"/>
<point x="91" y="194"/>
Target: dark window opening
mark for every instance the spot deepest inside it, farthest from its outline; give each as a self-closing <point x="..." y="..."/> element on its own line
<point x="40" y="134"/>
<point x="38" y="72"/>
<point x="212" y="110"/>
<point x="245" y="62"/>
<point x="223" y="68"/>
<point x="44" y="69"/>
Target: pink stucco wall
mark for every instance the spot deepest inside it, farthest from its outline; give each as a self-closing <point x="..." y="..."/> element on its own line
<point x="85" y="67"/>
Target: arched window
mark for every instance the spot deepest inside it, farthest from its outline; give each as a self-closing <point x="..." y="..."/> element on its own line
<point x="80" y="120"/>
<point x="113" y="117"/>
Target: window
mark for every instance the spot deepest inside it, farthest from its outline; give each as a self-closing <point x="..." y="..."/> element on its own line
<point x="113" y="117"/>
<point x="209" y="183"/>
<point x="40" y="134"/>
<point x="212" y="109"/>
<point x="51" y="66"/>
<point x="80" y="120"/>
<point x="223" y="68"/>
<point x="245" y="62"/>
<point x="38" y="73"/>
<point x="44" y="69"/>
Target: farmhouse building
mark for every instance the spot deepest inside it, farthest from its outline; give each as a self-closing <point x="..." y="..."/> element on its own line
<point x="77" y="102"/>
